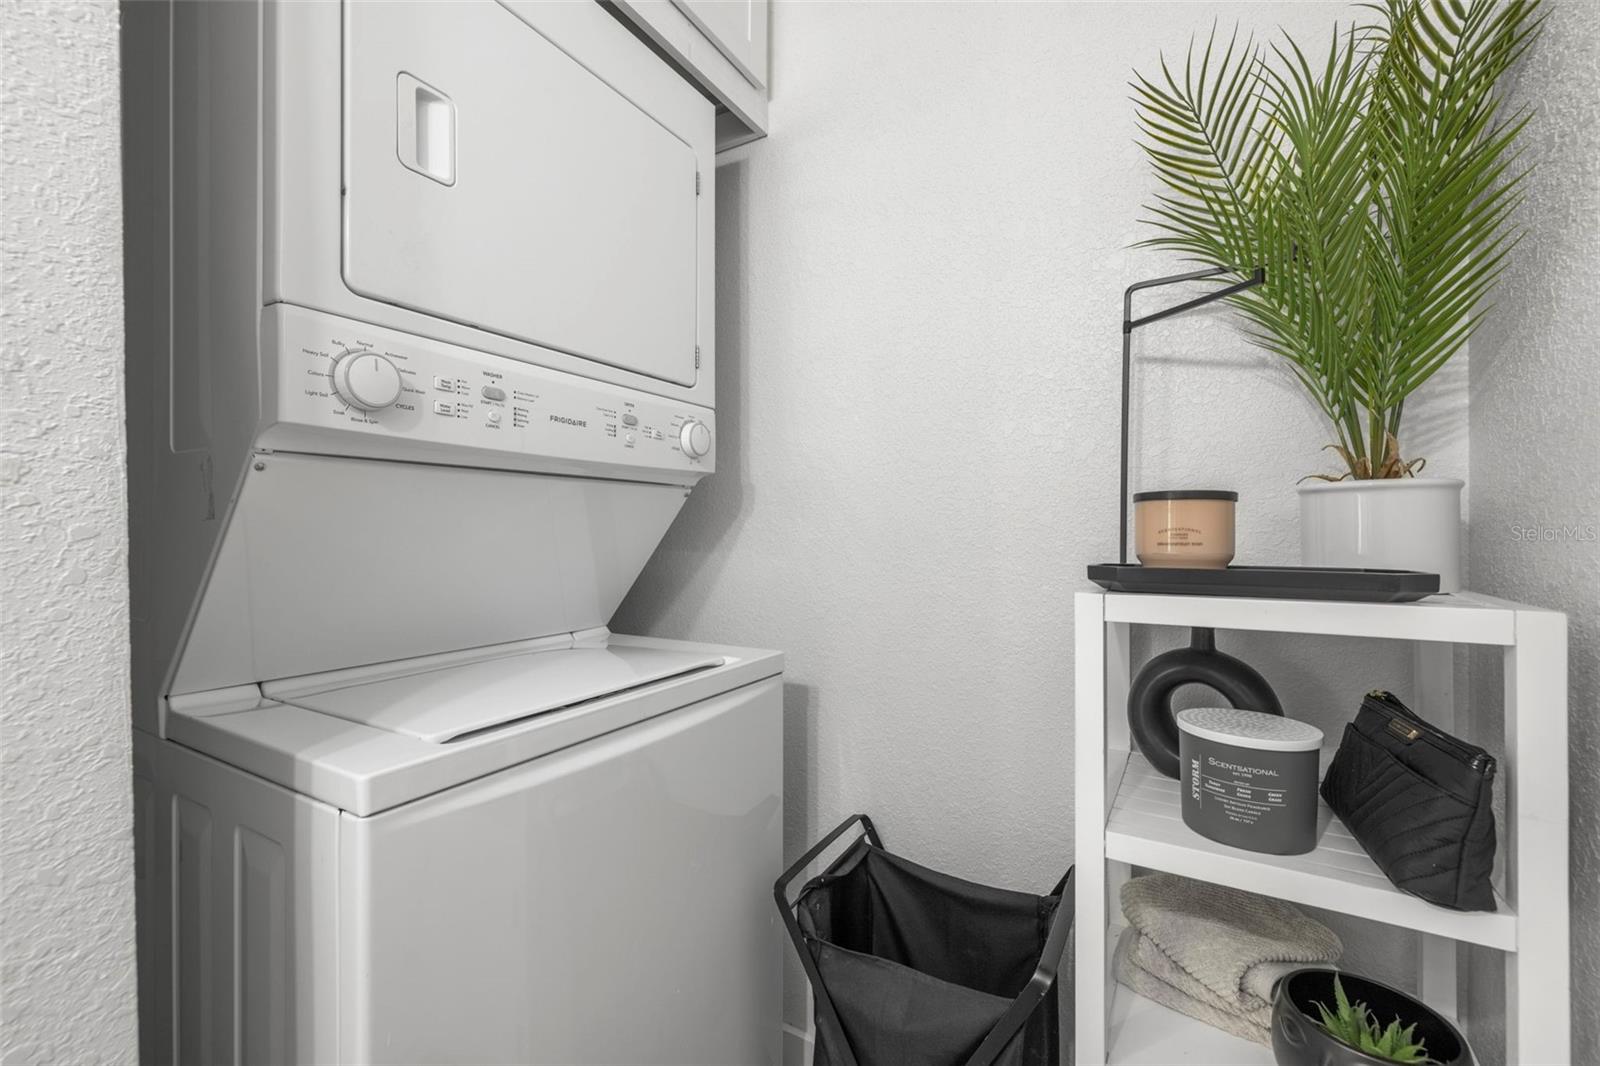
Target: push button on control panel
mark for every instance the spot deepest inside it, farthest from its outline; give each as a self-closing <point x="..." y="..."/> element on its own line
<point x="443" y="384"/>
<point x="493" y="392"/>
<point x="443" y="407"/>
<point x="630" y="420"/>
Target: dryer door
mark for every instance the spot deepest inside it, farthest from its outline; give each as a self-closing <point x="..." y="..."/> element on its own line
<point x="493" y="180"/>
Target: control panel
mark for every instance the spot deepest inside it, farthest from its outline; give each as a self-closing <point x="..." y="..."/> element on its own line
<point x="335" y="374"/>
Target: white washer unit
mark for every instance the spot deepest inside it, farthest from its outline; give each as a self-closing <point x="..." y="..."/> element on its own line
<point x="420" y="371"/>
<point x="536" y="853"/>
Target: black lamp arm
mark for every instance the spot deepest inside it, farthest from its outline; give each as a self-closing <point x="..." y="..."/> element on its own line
<point x="1129" y="324"/>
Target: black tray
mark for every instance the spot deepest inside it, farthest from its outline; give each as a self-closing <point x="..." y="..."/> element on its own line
<point x="1269" y="582"/>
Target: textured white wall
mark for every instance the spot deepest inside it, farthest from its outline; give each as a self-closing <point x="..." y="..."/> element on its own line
<point x="920" y="278"/>
<point x="66" y="846"/>
<point x="1535" y="443"/>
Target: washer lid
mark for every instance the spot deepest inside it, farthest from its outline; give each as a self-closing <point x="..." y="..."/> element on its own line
<point x="366" y="768"/>
<point x="447" y="704"/>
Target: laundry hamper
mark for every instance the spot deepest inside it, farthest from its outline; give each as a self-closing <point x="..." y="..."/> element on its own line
<point x="911" y="966"/>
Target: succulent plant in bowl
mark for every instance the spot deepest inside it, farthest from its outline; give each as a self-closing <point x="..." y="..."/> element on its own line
<point x="1321" y="1017"/>
<point x="1356" y="1025"/>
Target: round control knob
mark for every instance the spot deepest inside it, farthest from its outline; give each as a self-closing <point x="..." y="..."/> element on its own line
<point x="695" y="439"/>
<point x="366" y="380"/>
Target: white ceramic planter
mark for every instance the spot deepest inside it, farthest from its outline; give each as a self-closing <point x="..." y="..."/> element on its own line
<point x="1394" y="524"/>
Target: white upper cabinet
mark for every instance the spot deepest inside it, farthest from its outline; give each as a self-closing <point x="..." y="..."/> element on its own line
<point x="739" y="30"/>
<point x="721" y="46"/>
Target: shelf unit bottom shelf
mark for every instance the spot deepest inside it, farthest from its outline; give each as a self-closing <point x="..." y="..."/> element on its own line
<point x="1144" y="1033"/>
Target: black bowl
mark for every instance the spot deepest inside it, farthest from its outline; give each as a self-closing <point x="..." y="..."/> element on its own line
<point x="1298" y="1039"/>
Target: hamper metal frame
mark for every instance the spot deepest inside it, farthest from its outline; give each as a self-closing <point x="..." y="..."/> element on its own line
<point x="1015" y="1016"/>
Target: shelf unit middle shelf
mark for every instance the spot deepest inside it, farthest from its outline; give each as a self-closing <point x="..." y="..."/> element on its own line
<point x="1145" y="828"/>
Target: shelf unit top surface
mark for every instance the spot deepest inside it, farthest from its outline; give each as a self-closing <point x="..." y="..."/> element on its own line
<point x="1462" y="618"/>
<point x="1146" y="828"/>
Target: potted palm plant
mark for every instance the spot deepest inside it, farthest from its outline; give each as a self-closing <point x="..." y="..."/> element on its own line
<point x="1378" y="187"/>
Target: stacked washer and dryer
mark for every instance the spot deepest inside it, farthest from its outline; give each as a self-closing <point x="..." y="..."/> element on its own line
<point x="420" y="371"/>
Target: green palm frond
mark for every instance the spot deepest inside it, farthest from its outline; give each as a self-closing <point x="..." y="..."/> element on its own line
<point x="1377" y="184"/>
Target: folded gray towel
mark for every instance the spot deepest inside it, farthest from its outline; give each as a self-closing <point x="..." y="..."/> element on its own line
<point x="1213" y="953"/>
<point x="1139" y="964"/>
<point x="1219" y="935"/>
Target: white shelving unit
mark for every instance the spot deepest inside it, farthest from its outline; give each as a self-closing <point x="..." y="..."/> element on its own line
<point x="1128" y="815"/>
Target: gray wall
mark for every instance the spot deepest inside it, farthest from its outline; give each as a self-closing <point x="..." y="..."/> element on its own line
<point x="918" y="332"/>
<point x="1535" y="442"/>
<point x="66" y="847"/>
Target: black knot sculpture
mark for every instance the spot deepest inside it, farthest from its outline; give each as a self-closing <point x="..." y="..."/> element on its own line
<point x="1150" y="715"/>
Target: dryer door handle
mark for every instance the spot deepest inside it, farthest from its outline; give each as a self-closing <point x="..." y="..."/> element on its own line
<point x="425" y="129"/>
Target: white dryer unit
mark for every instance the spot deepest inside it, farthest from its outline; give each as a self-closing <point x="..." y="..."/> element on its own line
<point x="420" y="371"/>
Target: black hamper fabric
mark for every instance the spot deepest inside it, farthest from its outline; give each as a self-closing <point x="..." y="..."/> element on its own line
<point x="920" y="965"/>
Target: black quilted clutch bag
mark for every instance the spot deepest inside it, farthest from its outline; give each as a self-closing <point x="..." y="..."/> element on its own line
<point x="1418" y="799"/>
